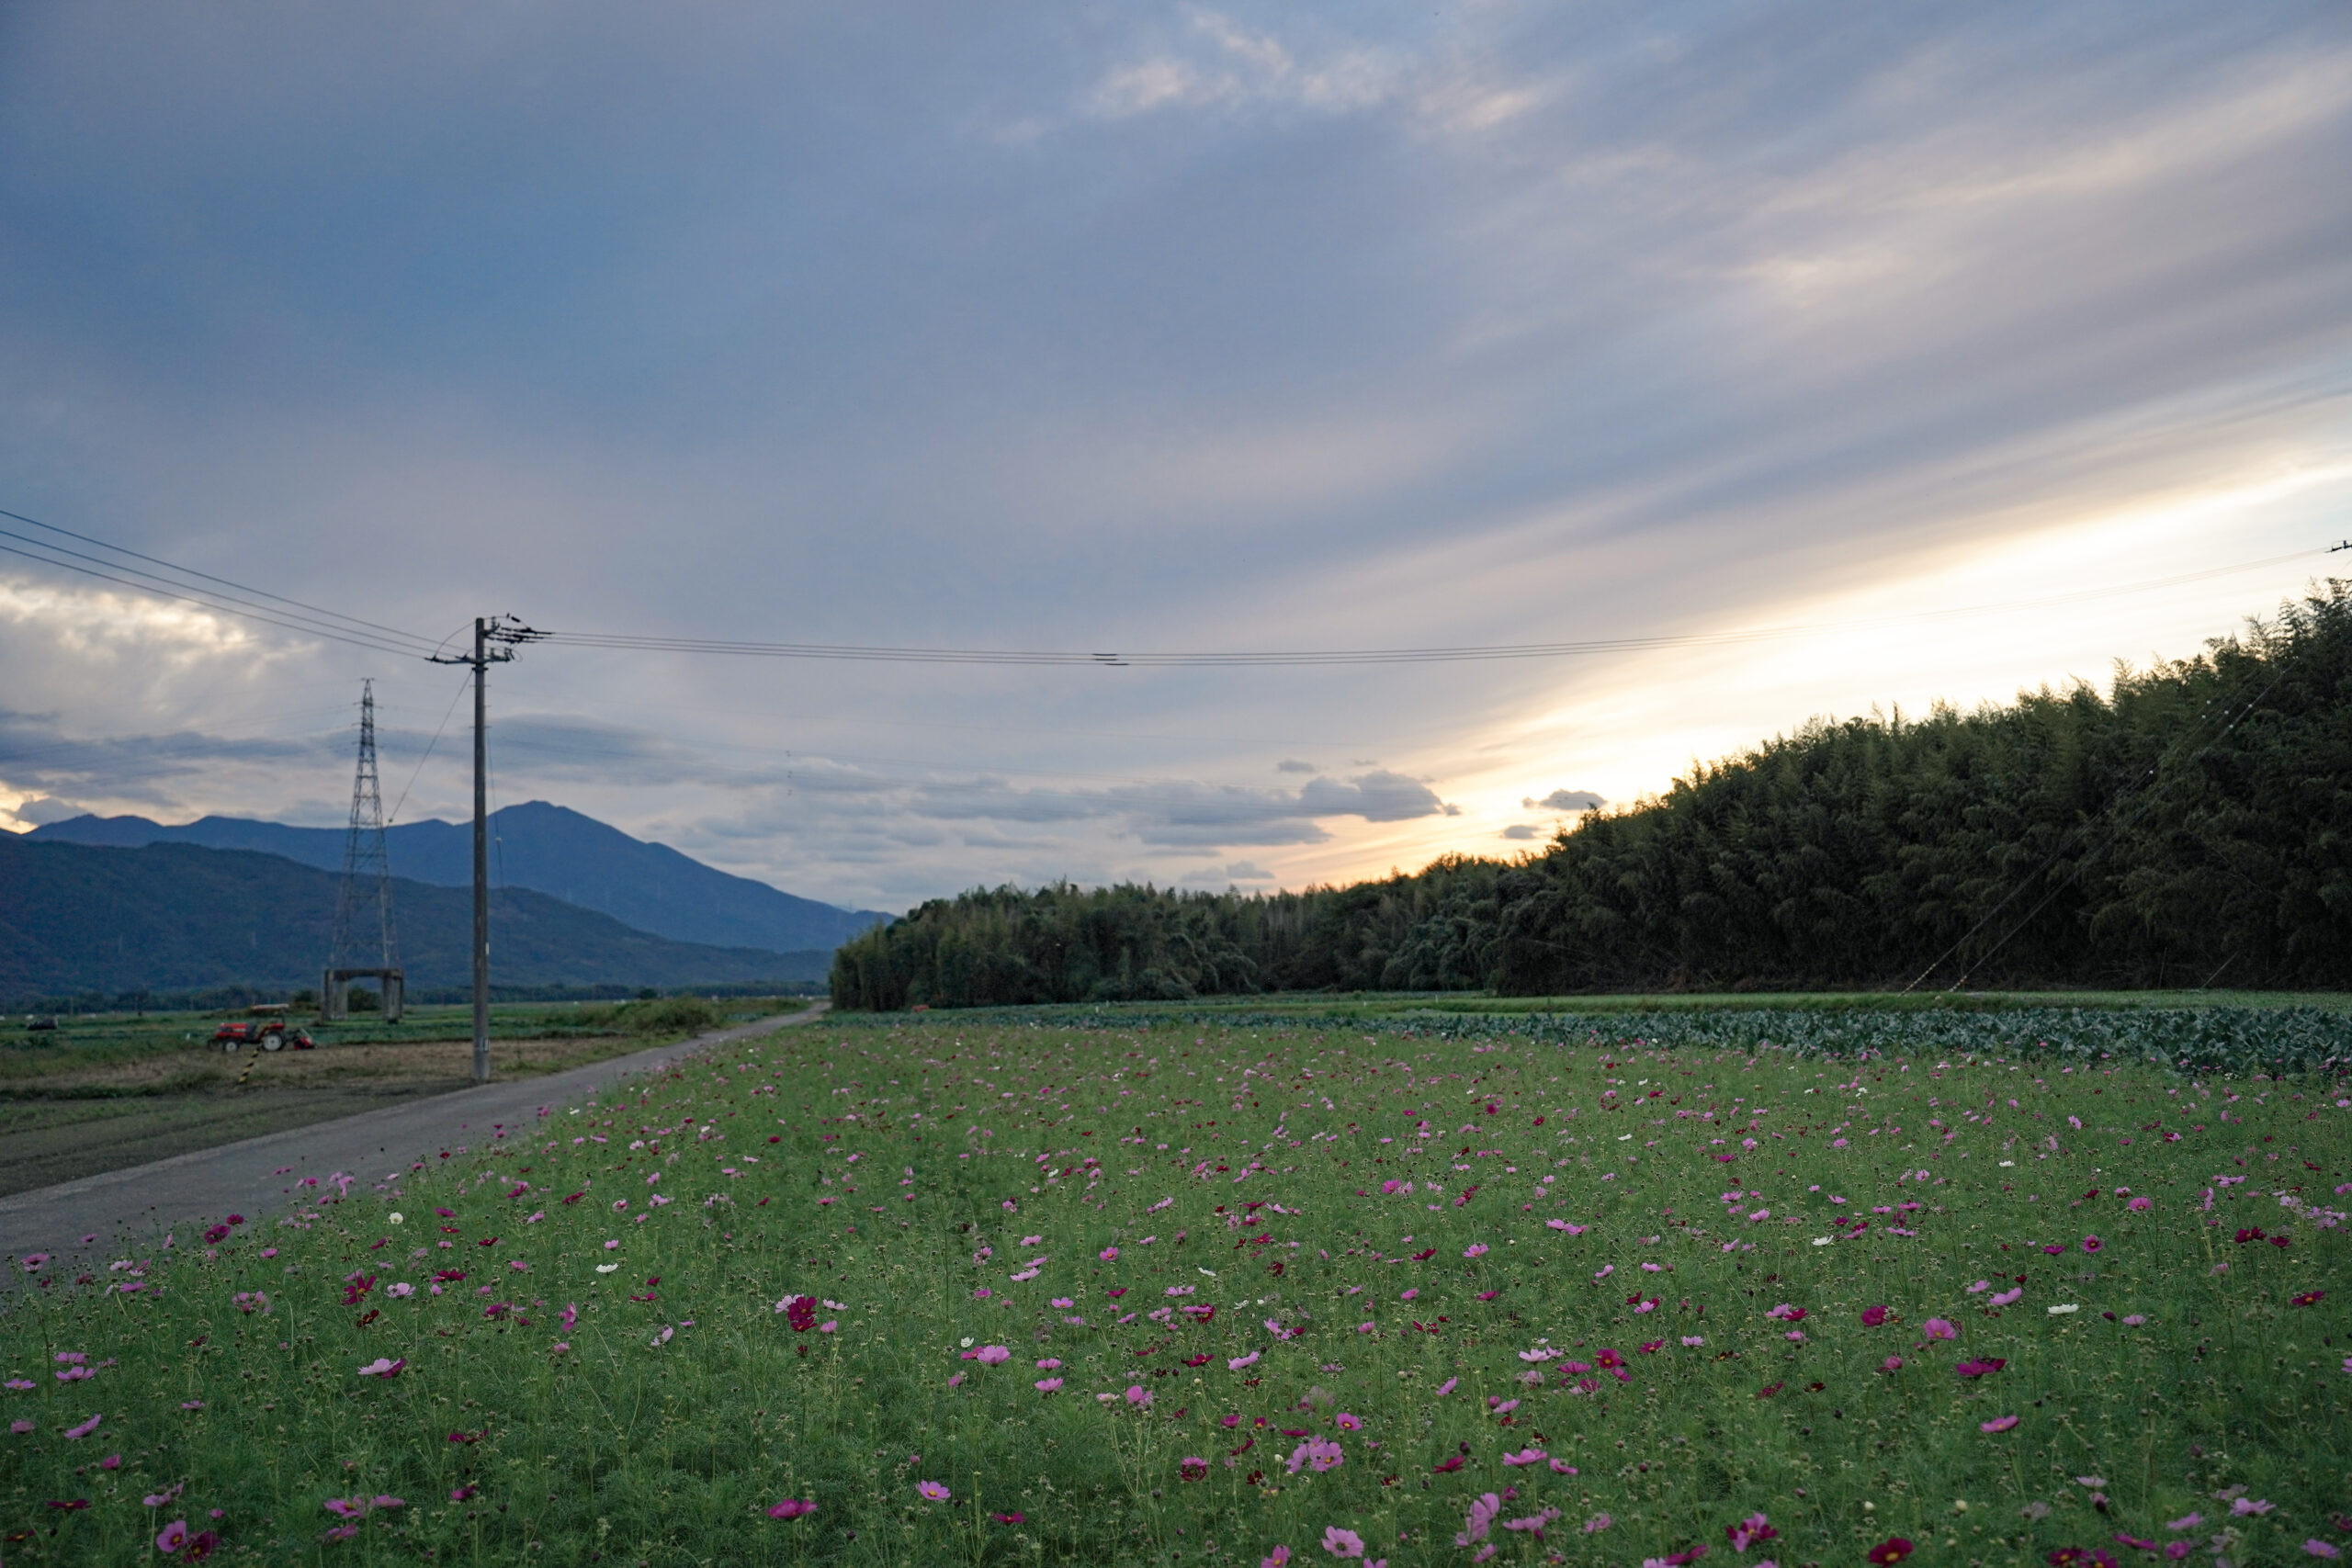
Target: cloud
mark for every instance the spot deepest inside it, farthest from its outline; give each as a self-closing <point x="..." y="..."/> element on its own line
<point x="1521" y="830"/>
<point x="1566" y="800"/>
<point x="1196" y="328"/>
<point x="1219" y="62"/>
<point x="1376" y="796"/>
<point x="42" y="810"/>
<point x="1240" y="870"/>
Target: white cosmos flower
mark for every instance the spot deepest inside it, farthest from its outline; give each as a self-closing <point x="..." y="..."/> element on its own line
<point x="2070" y="1306"/>
<point x="606" y="1268"/>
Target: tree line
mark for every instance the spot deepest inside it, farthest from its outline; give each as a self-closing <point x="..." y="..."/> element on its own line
<point x="2192" y="826"/>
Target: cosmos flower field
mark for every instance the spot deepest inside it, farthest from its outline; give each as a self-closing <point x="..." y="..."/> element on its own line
<point x="1035" y="1291"/>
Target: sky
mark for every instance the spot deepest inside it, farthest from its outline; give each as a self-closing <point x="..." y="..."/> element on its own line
<point x="1844" y="358"/>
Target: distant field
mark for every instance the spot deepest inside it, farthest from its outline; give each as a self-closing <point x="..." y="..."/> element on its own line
<point x="114" y="1090"/>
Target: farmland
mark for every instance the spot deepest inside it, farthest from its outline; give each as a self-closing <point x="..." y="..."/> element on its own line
<point x="116" y="1090"/>
<point x="1133" y="1288"/>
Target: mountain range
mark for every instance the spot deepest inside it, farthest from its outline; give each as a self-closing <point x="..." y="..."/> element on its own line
<point x="165" y="917"/>
<point x="549" y="849"/>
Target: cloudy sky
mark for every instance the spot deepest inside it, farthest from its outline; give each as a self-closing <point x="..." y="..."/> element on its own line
<point x="1952" y="350"/>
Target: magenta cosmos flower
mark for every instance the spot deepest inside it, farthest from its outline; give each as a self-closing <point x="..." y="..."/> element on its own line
<point x="1342" y="1544"/>
<point x="792" y="1508"/>
<point x="2092" y="1244"/>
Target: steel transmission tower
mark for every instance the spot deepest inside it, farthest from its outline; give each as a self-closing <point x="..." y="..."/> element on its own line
<point x="365" y="944"/>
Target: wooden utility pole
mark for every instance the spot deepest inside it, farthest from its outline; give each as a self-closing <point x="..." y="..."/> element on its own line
<point x="495" y="638"/>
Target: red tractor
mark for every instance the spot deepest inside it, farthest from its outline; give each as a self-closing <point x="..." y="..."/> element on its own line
<point x="269" y="1034"/>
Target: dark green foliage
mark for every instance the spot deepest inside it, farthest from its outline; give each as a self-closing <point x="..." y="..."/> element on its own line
<point x="2194" y="825"/>
<point x="678" y="1015"/>
<point x="1004" y="947"/>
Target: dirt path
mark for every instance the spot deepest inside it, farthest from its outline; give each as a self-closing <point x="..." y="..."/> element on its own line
<point x="256" y="1176"/>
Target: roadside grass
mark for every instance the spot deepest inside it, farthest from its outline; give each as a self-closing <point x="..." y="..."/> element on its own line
<point x="103" y="1093"/>
<point x="1295" y="1280"/>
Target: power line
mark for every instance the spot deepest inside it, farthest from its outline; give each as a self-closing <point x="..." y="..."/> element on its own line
<point x="190" y="571"/>
<point x="268" y="618"/>
<point x="314" y="620"/>
<point x="429" y="745"/>
<point x="879" y="653"/>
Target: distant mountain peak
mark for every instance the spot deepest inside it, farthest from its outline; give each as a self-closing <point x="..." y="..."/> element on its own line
<point x="549" y="848"/>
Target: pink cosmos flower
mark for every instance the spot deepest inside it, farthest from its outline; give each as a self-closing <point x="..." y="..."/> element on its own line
<point x="85" y="1429"/>
<point x="792" y="1508"/>
<point x="1321" y="1454"/>
<point x="2013" y="1293"/>
<point x="1050" y="1364"/>
<point x="1342" y="1544"/>
<point x="382" y="1367"/>
<point x="1892" y="1364"/>
<point x="932" y="1491"/>
<point x="1345" y="1422"/>
<point x="1238" y="1362"/>
<point x="2319" y="1548"/>
<point x="1526" y="1456"/>
<point x="990" y="1355"/>
<point x="1138" y="1396"/>
<point x="1450" y="1384"/>
<point x="1598" y="1523"/>
<point x="1693" y="1340"/>
<point x="1939" y="1328"/>
<point x="1476" y="1249"/>
<point x="1191" y="1467"/>
<point x="172" y="1538"/>
<point x="1997" y="1424"/>
<point x="1109" y="1255"/>
<point x="1749" y="1531"/>
<point x="1050" y="1385"/>
<point x="1275" y="1558"/>
<point x="2141" y="1202"/>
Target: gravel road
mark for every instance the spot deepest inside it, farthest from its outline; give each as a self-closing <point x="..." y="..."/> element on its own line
<point x="135" y="1207"/>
